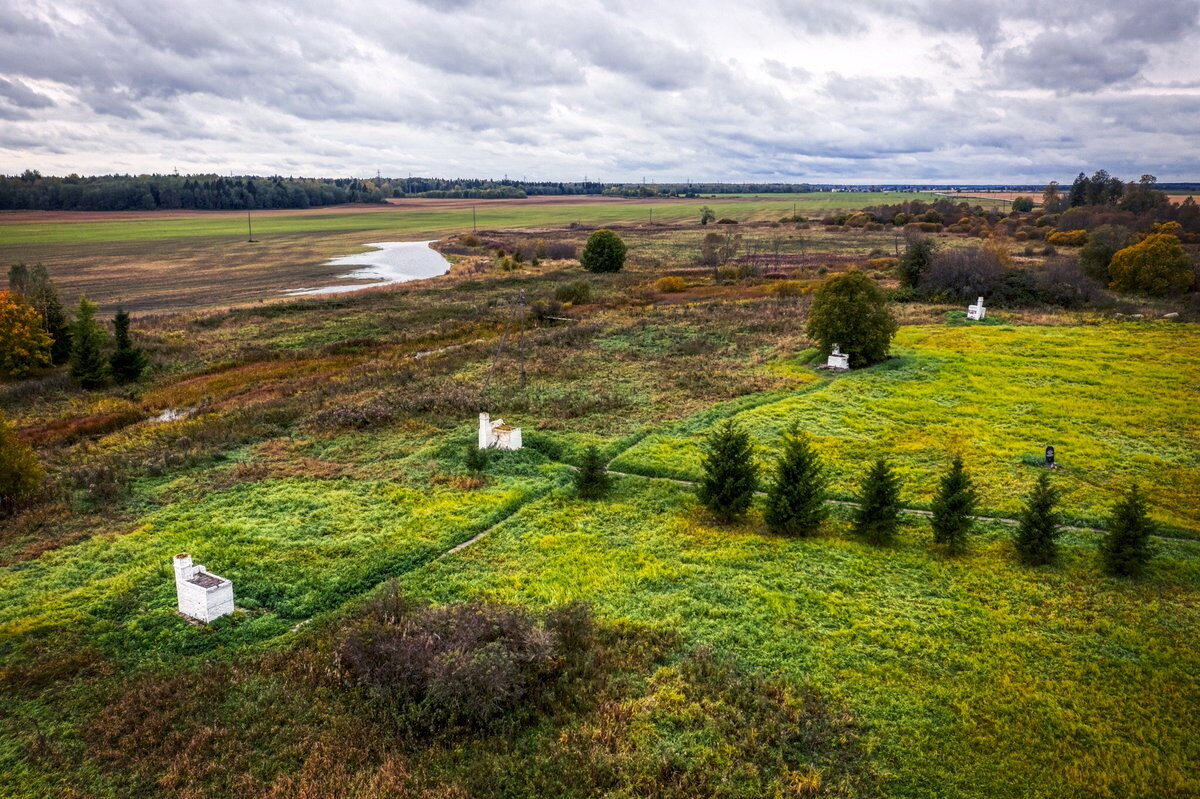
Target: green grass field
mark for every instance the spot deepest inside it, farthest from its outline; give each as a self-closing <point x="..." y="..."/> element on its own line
<point x="407" y="222"/>
<point x="974" y="676"/>
<point x="326" y="457"/>
<point x="999" y="395"/>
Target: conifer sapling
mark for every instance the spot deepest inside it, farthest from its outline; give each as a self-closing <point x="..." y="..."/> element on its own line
<point x="127" y="361"/>
<point x="88" y="366"/>
<point x="1126" y="546"/>
<point x="953" y="507"/>
<point x="796" y="498"/>
<point x="878" y="515"/>
<point x="730" y="473"/>
<point x="592" y="481"/>
<point x="476" y="460"/>
<point x="1038" y="531"/>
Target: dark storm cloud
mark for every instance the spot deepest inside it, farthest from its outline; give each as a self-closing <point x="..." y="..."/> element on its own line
<point x="899" y="89"/>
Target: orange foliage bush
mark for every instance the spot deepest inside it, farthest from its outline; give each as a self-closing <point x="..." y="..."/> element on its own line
<point x="24" y="345"/>
<point x="1157" y="265"/>
<point x="1068" y="238"/>
<point x="670" y="285"/>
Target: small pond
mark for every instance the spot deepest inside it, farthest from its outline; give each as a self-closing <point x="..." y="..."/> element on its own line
<point x="388" y="262"/>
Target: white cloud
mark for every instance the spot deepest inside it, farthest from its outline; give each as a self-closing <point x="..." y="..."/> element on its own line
<point x="859" y="91"/>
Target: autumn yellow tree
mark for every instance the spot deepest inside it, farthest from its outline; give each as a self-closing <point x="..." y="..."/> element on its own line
<point x="1157" y="265"/>
<point x="24" y="345"/>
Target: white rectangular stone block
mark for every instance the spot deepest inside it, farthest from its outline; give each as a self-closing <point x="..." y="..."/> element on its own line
<point x="201" y="595"/>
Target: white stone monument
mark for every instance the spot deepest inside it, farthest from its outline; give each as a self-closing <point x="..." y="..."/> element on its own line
<point x="837" y="360"/>
<point x="498" y="435"/>
<point x="977" y="312"/>
<point x="202" y="596"/>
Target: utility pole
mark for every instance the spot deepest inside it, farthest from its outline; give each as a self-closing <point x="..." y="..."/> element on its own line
<point x="521" y="338"/>
<point x="249" y="228"/>
<point x="474" y="229"/>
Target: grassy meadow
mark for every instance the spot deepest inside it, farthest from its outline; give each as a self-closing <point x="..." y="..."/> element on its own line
<point x="153" y="261"/>
<point x="319" y="461"/>
<point x="997" y="395"/>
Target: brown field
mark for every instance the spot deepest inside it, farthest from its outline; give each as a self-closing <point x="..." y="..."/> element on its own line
<point x="1009" y="196"/>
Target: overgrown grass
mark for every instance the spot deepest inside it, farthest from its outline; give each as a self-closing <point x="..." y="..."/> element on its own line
<point x="1116" y="401"/>
<point x="974" y="676"/>
<point x="294" y="548"/>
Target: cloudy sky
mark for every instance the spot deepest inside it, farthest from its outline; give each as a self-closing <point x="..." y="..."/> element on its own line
<point x="838" y="90"/>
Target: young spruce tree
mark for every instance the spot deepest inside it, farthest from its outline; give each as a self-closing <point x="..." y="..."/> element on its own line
<point x="88" y="366"/>
<point x="878" y="515"/>
<point x="1126" y="548"/>
<point x="796" y="498"/>
<point x="476" y="460"/>
<point x="953" y="507"/>
<point x="730" y="473"/>
<point x="1037" y="533"/>
<point x="592" y="480"/>
<point x="127" y="361"/>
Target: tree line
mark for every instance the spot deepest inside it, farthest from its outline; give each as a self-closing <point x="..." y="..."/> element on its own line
<point x="35" y="192"/>
<point x="36" y="332"/>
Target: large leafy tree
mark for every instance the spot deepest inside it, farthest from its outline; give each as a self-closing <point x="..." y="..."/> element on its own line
<point x="1126" y="545"/>
<point x="953" y="507"/>
<point x="878" y="516"/>
<point x="33" y="284"/>
<point x="917" y="258"/>
<point x="604" y="252"/>
<point x="796" y="498"/>
<point x="88" y="365"/>
<point x="24" y="345"/>
<point x="1156" y="266"/>
<point x="1038" y="528"/>
<point x="730" y="473"/>
<point x="1103" y="243"/>
<point x="850" y="310"/>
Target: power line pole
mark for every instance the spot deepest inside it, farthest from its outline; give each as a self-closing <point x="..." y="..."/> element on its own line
<point x="249" y="228"/>
<point x="474" y="229"/>
<point x="521" y="339"/>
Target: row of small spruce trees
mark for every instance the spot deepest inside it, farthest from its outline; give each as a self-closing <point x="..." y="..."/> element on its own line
<point x="796" y="501"/>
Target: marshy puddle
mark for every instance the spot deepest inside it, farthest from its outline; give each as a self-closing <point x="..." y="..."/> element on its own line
<point x="389" y="262"/>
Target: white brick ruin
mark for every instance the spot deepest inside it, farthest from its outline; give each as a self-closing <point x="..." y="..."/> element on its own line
<point x="837" y="360"/>
<point x="202" y="596"/>
<point x="977" y="312"/>
<point x="497" y="435"/>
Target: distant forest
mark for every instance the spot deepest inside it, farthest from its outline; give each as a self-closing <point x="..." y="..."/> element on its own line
<point x="34" y="191"/>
